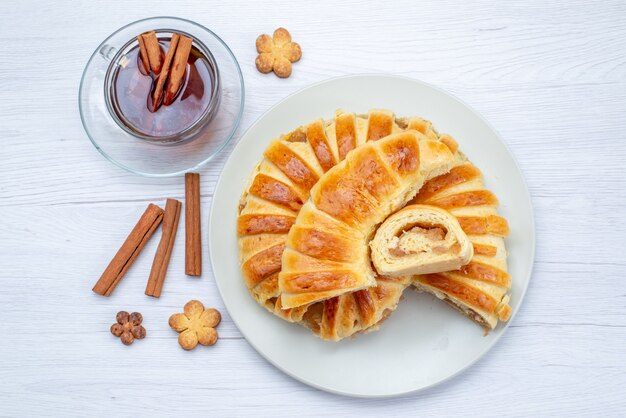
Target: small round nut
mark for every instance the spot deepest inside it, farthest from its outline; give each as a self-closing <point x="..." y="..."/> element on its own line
<point x="117" y="329"/>
<point x="127" y="338"/>
<point x="139" y="332"/>
<point x="122" y="317"/>
<point x="136" y="318"/>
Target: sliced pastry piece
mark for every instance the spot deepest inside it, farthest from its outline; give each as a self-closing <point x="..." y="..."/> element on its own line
<point x="356" y="312"/>
<point x="480" y="288"/>
<point x="420" y="239"/>
<point x="330" y="257"/>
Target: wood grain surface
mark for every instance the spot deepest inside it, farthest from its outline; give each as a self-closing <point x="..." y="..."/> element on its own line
<point x="551" y="78"/>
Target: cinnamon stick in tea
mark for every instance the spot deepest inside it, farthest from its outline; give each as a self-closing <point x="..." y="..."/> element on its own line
<point x="179" y="66"/>
<point x="143" y="52"/>
<point x="129" y="251"/>
<point x="193" y="244"/>
<point x="164" y="250"/>
<point x="149" y="48"/>
<point x="158" y="91"/>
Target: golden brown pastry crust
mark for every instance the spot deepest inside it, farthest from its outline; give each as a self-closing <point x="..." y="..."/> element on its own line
<point x="373" y="181"/>
<point x="293" y="165"/>
<point x="316" y="136"/>
<point x="461" y="291"/>
<point x="258" y="224"/>
<point x="345" y="134"/>
<point x="457" y="175"/>
<point x="262" y="265"/>
<point x="482" y="225"/>
<point x="280" y="185"/>
<point x="269" y="188"/>
<point x="485" y="249"/>
<point x="380" y="124"/>
<point x="273" y="196"/>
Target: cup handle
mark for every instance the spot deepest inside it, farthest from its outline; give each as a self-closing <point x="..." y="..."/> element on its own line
<point x="107" y="52"/>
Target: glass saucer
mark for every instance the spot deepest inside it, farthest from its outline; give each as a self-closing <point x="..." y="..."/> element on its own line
<point x="150" y="158"/>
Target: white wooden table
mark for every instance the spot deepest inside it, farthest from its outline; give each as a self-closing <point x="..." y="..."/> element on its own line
<point x="550" y="77"/>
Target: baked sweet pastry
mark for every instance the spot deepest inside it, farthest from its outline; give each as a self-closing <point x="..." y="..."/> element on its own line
<point x="420" y="239"/>
<point x="327" y="251"/>
<point x="276" y="191"/>
<point x="478" y="289"/>
<point x="272" y="198"/>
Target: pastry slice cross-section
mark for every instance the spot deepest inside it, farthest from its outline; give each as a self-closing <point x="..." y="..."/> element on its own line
<point x="420" y="239"/>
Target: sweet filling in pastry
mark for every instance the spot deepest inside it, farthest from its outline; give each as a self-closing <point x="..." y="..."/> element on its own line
<point x="468" y="312"/>
<point x="420" y="239"/>
<point x="435" y="238"/>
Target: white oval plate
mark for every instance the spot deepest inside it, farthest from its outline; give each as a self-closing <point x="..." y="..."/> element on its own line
<point x="424" y="342"/>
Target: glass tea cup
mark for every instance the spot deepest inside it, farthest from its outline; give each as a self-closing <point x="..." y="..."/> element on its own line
<point x="127" y="92"/>
<point x="124" y="143"/>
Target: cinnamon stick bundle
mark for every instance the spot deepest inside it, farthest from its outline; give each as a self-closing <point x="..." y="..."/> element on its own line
<point x="193" y="243"/>
<point x="164" y="250"/>
<point x="129" y="251"/>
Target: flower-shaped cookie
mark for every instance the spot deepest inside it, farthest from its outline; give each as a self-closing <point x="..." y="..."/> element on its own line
<point x="128" y="327"/>
<point x="277" y="53"/>
<point x="196" y="325"/>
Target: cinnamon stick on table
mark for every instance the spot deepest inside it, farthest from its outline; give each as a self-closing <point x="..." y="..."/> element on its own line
<point x="158" y="91"/>
<point x="129" y="251"/>
<point x="164" y="250"/>
<point x="193" y="244"/>
<point x="150" y="51"/>
<point x="177" y="74"/>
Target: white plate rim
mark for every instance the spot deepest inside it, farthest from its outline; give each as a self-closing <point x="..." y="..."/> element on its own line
<point x="504" y="327"/>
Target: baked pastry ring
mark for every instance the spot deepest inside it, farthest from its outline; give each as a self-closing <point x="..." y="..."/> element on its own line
<point x="276" y="191"/>
<point x="420" y="239"/>
<point x="273" y="196"/>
